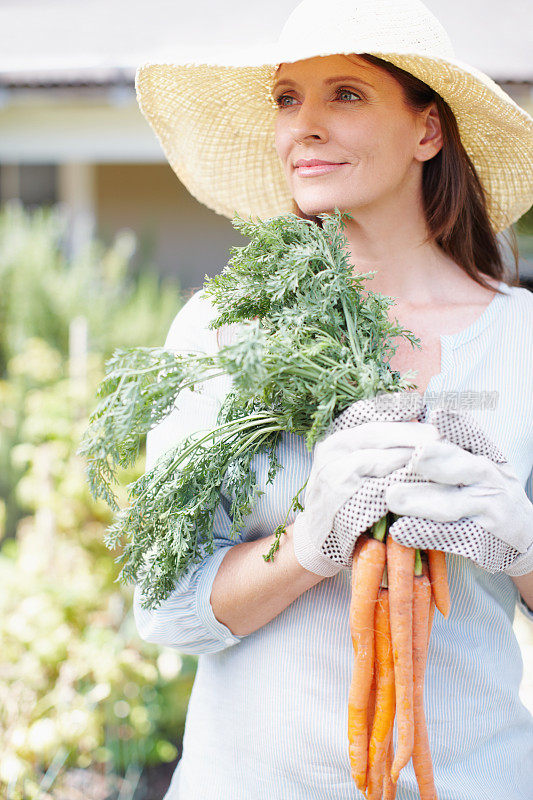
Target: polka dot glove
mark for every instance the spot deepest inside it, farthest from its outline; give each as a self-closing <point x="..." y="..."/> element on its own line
<point x="467" y="504"/>
<point x="482" y="511"/>
<point x="378" y="441"/>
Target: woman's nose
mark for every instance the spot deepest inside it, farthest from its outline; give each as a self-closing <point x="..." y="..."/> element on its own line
<point x="309" y="122"/>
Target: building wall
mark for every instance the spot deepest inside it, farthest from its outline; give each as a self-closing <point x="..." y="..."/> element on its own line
<point x="178" y="234"/>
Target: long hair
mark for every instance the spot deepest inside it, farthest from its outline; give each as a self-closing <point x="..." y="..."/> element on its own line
<point x="454" y="201"/>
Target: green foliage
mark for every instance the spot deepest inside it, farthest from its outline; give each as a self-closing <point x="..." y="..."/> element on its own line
<point x="524" y="232"/>
<point x="525" y="224"/>
<point x="313" y="340"/>
<point x="77" y="686"/>
<point x="42" y="289"/>
<point x="139" y="389"/>
<point x="74" y="678"/>
<point x="319" y="339"/>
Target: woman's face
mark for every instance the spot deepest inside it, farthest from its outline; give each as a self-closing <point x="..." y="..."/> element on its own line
<point x="352" y="114"/>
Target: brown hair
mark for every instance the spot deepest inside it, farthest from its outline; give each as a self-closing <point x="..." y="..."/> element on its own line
<point x="455" y="204"/>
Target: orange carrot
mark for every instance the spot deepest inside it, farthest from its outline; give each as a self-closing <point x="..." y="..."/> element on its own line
<point x="426" y="572"/>
<point x="389" y="788"/>
<point x="371" y="708"/>
<point x="367" y="573"/>
<point x="421" y="752"/>
<point x="385" y="699"/>
<point x="438" y="575"/>
<point x="400" y="570"/>
<point x="431" y="614"/>
<point x="371" y="700"/>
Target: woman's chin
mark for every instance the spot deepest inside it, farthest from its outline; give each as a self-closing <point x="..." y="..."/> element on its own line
<point x="311" y="206"/>
<point x="314" y="209"/>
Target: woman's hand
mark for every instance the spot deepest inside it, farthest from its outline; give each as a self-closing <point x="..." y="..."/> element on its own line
<point x="367" y="442"/>
<point x="469" y="505"/>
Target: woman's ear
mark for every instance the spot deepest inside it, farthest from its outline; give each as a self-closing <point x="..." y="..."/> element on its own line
<point x="431" y="134"/>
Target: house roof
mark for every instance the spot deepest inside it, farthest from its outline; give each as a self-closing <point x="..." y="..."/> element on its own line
<point x="76" y="77"/>
<point x="43" y="42"/>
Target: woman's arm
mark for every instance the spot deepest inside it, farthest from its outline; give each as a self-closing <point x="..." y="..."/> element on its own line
<point x="248" y="591"/>
<point x="524" y="584"/>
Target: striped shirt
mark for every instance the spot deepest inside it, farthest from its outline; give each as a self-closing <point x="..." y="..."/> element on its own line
<point x="267" y="717"/>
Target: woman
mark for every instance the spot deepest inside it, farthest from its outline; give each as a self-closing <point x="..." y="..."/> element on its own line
<point x="429" y="175"/>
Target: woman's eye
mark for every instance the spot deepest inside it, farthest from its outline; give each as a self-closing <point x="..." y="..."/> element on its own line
<point x="349" y="91"/>
<point x="279" y="100"/>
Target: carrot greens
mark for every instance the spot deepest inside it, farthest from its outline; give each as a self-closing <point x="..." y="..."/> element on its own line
<point x="311" y="340"/>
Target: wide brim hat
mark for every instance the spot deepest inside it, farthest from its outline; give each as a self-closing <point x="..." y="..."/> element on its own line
<point x="214" y="114"/>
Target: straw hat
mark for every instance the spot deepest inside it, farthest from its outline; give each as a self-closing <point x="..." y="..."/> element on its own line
<point x="214" y="115"/>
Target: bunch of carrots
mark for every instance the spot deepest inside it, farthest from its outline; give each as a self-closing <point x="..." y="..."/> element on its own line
<point x="394" y="593"/>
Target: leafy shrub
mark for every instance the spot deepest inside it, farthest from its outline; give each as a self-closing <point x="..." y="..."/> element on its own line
<point x="78" y="688"/>
<point x="75" y="678"/>
<point x="41" y="291"/>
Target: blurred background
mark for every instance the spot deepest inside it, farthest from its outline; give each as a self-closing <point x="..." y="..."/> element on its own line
<point x="100" y="245"/>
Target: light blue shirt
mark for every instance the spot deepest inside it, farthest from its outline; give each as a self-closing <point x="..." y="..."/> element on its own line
<point x="267" y="716"/>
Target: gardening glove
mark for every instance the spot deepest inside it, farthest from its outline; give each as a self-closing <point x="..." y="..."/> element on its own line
<point x="369" y="502"/>
<point x="468" y="504"/>
<point x="377" y="442"/>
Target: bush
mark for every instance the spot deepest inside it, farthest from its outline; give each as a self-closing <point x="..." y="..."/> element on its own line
<point x="78" y="688"/>
<point x="41" y="292"/>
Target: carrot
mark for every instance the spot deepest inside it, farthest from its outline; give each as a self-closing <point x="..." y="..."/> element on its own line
<point x="389" y="788"/>
<point x="371" y="708"/>
<point x="426" y="572"/>
<point x="367" y="572"/>
<point x="421" y="752"/>
<point x="385" y="699"/>
<point x="371" y="700"/>
<point x="431" y="615"/>
<point x="400" y="569"/>
<point x="439" y="580"/>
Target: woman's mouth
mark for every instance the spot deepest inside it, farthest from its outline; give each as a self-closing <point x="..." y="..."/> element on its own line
<point x="309" y="170"/>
